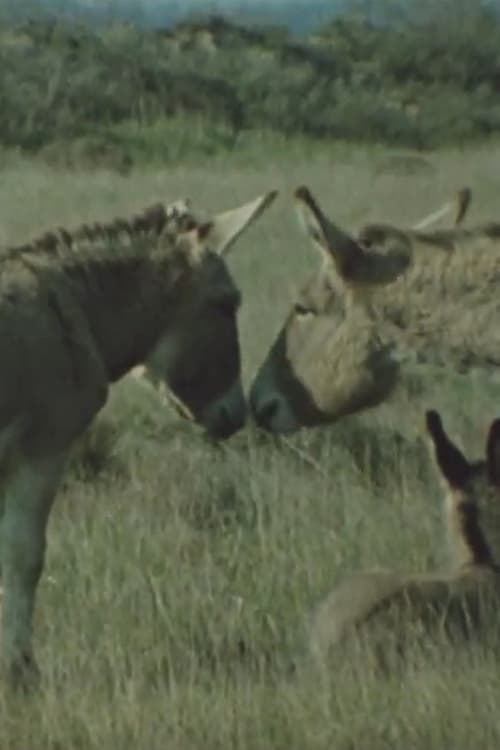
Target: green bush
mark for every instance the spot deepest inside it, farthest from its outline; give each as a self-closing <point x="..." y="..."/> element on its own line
<point x="433" y="80"/>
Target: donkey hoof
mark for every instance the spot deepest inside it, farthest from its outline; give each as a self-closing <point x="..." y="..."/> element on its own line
<point x="23" y="675"/>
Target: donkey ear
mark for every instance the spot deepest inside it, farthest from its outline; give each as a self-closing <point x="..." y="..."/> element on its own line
<point x="493" y="452"/>
<point x="336" y="245"/>
<point x="222" y="230"/>
<point x="451" y="461"/>
<point x="354" y="265"/>
<point x="462" y="203"/>
<point x="226" y="227"/>
<point x="458" y="206"/>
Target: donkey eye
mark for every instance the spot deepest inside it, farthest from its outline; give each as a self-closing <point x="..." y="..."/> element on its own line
<point x="302" y="310"/>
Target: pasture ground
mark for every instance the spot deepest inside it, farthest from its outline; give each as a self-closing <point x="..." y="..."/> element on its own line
<point x="179" y="574"/>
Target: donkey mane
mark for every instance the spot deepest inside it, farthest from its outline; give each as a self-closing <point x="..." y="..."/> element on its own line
<point x="151" y="222"/>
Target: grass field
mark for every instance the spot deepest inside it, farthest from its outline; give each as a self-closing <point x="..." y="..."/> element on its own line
<point x="179" y="575"/>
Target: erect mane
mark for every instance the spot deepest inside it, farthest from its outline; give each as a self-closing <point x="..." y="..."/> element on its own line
<point x="153" y="221"/>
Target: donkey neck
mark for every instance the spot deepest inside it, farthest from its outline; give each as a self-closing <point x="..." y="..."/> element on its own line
<point x="467" y="541"/>
<point x="127" y="279"/>
<point x="130" y="302"/>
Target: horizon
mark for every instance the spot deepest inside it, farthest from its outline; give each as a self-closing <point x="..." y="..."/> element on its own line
<point x="299" y="18"/>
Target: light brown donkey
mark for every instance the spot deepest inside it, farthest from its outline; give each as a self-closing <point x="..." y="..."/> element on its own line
<point x="78" y="310"/>
<point x="389" y="296"/>
<point x="457" y="207"/>
<point x="395" y="606"/>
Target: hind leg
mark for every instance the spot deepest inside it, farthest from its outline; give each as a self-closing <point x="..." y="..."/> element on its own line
<point x="28" y="498"/>
<point x="8" y="436"/>
<point x="2" y="509"/>
<point x="2" y="503"/>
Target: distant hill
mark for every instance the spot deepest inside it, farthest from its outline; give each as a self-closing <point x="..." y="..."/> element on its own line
<point x="299" y="16"/>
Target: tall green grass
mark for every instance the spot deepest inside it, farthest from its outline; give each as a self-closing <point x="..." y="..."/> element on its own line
<point x="180" y="574"/>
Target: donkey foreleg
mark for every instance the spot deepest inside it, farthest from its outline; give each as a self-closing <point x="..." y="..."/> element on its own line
<point x="28" y="498"/>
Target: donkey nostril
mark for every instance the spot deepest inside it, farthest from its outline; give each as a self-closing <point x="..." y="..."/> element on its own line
<point x="267" y="411"/>
<point x="227" y="422"/>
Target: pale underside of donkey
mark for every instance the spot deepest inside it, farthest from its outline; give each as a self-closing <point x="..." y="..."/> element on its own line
<point x="78" y="310"/>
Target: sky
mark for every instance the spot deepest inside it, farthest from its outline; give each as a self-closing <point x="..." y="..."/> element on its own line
<point x="300" y="16"/>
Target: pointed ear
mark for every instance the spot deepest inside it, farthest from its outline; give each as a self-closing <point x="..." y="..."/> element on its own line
<point x="338" y="246"/>
<point x="354" y="264"/>
<point x="222" y="231"/>
<point x="458" y="206"/>
<point x="451" y="461"/>
<point x="493" y="452"/>
<point x="462" y="201"/>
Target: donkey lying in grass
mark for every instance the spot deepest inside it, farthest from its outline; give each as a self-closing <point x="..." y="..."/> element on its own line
<point x="455" y="600"/>
<point x="78" y="310"/>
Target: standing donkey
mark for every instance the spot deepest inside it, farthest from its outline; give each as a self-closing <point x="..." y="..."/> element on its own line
<point x="78" y="310"/>
<point x="378" y="298"/>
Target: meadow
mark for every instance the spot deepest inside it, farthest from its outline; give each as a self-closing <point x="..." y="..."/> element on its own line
<point x="180" y="574"/>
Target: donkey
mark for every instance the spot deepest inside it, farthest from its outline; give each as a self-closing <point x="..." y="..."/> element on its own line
<point x="393" y="604"/>
<point x="377" y="301"/>
<point x="78" y="310"/>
